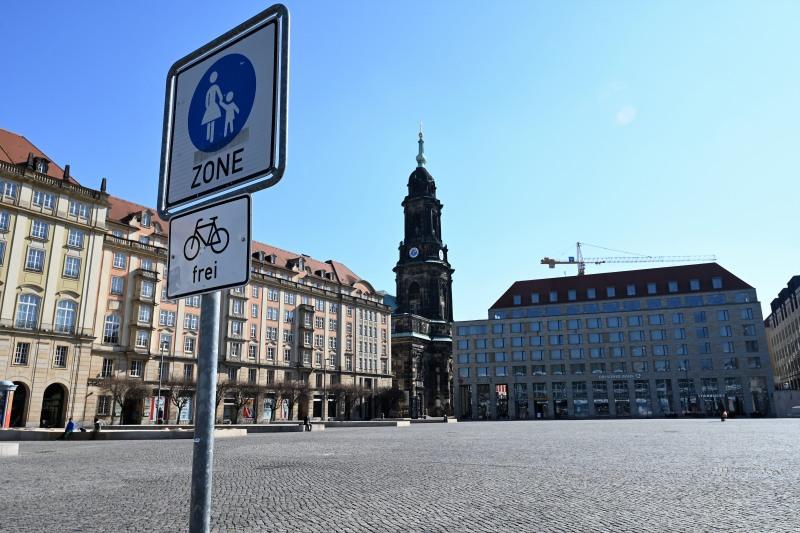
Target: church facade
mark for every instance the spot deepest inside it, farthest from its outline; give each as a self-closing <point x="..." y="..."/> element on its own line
<point x="422" y="343"/>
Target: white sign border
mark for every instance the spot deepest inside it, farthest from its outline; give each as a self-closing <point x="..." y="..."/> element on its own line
<point x="249" y="246"/>
<point x="278" y="15"/>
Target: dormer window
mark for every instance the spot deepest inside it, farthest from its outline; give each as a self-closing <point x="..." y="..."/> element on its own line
<point x="41" y="165"/>
<point x="145" y="219"/>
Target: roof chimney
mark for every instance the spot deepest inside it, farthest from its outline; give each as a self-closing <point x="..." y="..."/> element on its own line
<point x="66" y="172"/>
<point x="102" y="184"/>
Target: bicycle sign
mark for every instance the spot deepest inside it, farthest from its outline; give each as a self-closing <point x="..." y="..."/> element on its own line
<point x="209" y="248"/>
<point x="215" y="238"/>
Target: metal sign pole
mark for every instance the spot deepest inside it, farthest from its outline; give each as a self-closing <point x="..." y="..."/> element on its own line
<point x="203" y="455"/>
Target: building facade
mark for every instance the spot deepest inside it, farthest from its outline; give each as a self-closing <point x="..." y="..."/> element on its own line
<point x="83" y="304"/>
<point x="674" y="341"/>
<point x="783" y="335"/>
<point x="422" y="323"/>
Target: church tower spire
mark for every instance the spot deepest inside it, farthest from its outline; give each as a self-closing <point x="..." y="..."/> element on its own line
<point x="424" y="300"/>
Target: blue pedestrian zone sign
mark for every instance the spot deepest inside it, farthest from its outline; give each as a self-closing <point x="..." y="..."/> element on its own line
<point x="222" y="102"/>
<point x="225" y="116"/>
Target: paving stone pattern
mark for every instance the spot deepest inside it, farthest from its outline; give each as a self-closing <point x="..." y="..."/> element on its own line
<point x="559" y="476"/>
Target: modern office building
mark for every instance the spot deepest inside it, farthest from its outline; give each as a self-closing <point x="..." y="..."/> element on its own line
<point x="783" y="335"/>
<point x="83" y="303"/>
<point x="673" y="341"/>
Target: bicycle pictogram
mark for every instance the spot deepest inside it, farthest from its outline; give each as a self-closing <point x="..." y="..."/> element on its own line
<point x="206" y="235"/>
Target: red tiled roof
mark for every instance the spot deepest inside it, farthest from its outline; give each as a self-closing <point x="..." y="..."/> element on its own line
<point x="122" y="211"/>
<point x="15" y="148"/>
<point x="620" y="281"/>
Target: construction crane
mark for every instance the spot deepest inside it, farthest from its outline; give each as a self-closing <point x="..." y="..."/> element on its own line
<point x="583" y="261"/>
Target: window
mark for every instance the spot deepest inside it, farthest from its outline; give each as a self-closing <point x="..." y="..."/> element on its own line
<point x="193" y="301"/>
<point x="236" y="349"/>
<point x="463" y="372"/>
<point x="111" y="329"/>
<point x="553" y="296"/>
<point x="553" y="325"/>
<point x="727" y="347"/>
<point x="661" y="365"/>
<point x="751" y="346"/>
<point x="120" y="260"/>
<point x="700" y="316"/>
<point x="747" y="313"/>
<point x="253" y="331"/>
<point x="43" y="199"/>
<point x="658" y="334"/>
<point x="104" y="405"/>
<point x="517" y="299"/>
<point x="634" y="320"/>
<point x="725" y="331"/>
<point x="28" y="311"/>
<point x="289" y="298"/>
<point x="615" y="336"/>
<point x="672" y="286"/>
<point x="252" y="352"/>
<point x="611" y="292"/>
<point x="535" y="298"/>
<point x="706" y="364"/>
<point x="165" y="342"/>
<point x="72" y="267"/>
<point x="656" y="320"/>
<point x="254" y="310"/>
<point x="754" y="362"/>
<point x="637" y="351"/>
<point x="591" y="294"/>
<point x="190" y="321"/>
<point x="78" y="210"/>
<point x="142" y="339"/>
<point x="677" y="318"/>
<point x="35" y="260"/>
<point x="596" y="353"/>
<point x="651" y="288"/>
<point x="166" y="318"/>
<point x="145" y="313"/>
<point x="497" y="328"/>
<point x="694" y="284"/>
<point x="500" y="357"/>
<point x="75" y="238"/>
<point x="637" y="335"/>
<point x="136" y="368"/>
<point x="679" y="333"/>
<point x="21" y="353"/>
<point x="39" y="230"/>
<point x="272" y="313"/>
<point x="572" y="295"/>
<point x="66" y="311"/>
<point x="481" y="358"/>
<point x="498" y="342"/>
<point x="188" y="344"/>
<point x="5" y="220"/>
<point x="288" y="316"/>
<point x="117" y="285"/>
<point x="188" y="372"/>
<point x="614" y="322"/>
<point x="237" y="307"/>
<point x="107" y="369"/>
<point x="501" y="371"/>
<point x="146" y="264"/>
<point x="660" y="350"/>
<point x="631" y="289"/>
<point x="716" y="282"/>
<point x="9" y="189"/>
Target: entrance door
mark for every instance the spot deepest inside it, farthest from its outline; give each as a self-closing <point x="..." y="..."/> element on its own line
<point x="132" y="411"/>
<point x="54" y="403"/>
<point x="18" y="406"/>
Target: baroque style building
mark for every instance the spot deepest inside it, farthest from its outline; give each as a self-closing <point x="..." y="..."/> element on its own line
<point x="83" y="299"/>
<point x="422" y="342"/>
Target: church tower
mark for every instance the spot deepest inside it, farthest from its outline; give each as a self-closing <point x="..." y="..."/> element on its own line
<point x="422" y="343"/>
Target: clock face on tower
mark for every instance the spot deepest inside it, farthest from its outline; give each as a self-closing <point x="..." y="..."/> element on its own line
<point x="413" y="252"/>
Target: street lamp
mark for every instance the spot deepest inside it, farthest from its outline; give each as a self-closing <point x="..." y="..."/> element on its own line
<point x="160" y="374"/>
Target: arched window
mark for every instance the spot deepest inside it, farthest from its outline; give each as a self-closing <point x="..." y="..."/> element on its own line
<point x="28" y="311"/>
<point x="111" y="329"/>
<point x="66" y="310"/>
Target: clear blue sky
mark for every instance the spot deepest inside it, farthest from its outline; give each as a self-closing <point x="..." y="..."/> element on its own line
<point x="665" y="128"/>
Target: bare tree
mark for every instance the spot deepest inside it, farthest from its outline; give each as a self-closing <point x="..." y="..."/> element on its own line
<point x="389" y="400"/>
<point x="292" y="391"/>
<point x="122" y="388"/>
<point x="242" y="393"/>
<point x="181" y="392"/>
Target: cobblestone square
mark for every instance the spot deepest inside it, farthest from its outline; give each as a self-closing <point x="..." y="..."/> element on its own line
<point x="610" y="475"/>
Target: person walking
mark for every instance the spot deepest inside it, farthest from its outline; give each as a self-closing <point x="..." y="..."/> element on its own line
<point x="724" y="416"/>
<point x="306" y="423"/>
<point x="68" y="430"/>
<point x="97" y="427"/>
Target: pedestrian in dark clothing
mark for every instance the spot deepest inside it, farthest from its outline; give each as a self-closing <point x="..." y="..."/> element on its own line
<point x="97" y="426"/>
<point x="724" y="416"/>
<point x="68" y="430"/>
<point x="307" y="423"/>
